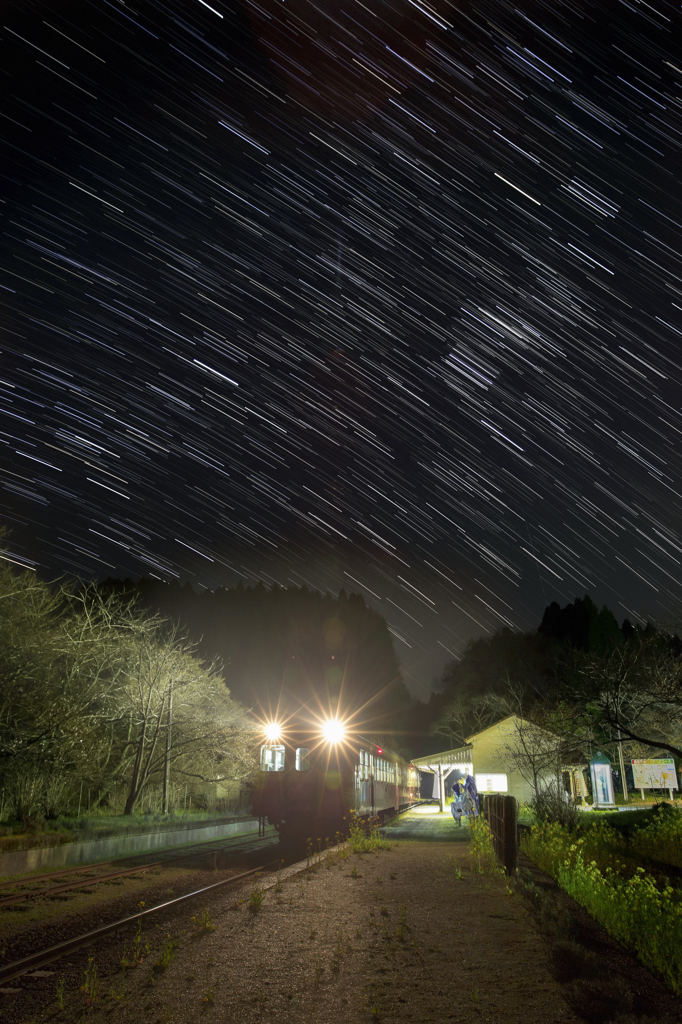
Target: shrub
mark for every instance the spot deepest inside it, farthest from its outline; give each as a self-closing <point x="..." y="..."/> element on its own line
<point x="552" y="805"/>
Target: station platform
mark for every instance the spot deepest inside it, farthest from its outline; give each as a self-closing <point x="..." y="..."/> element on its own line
<point x="427" y="824"/>
<point x="412" y="934"/>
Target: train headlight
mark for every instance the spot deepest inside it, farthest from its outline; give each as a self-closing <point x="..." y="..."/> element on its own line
<point x="334" y="731"/>
<point x="273" y="731"/>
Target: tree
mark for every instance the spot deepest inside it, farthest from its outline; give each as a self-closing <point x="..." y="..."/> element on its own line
<point x="85" y="687"/>
<point x="56" y="659"/>
<point x="208" y="738"/>
<point x="633" y="691"/>
<point x="462" y="717"/>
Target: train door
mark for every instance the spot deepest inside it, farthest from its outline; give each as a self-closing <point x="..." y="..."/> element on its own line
<point x="371" y="785"/>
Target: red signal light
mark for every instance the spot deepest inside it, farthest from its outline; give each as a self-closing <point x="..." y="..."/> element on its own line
<point x="379" y="750"/>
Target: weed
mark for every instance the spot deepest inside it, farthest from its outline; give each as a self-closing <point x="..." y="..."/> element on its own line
<point x="481" y="848"/>
<point x="473" y="995"/>
<point x="392" y="876"/>
<point x="257" y="897"/>
<point x="208" y="996"/>
<point x="401" y="929"/>
<point x="166" y="955"/>
<point x="137" y="952"/>
<point x="384" y="912"/>
<point x="59" y="993"/>
<point x="90" y="986"/>
<point x="278" y="886"/>
<point x="203" y="921"/>
<point x="364" y="835"/>
<point x="355" y="873"/>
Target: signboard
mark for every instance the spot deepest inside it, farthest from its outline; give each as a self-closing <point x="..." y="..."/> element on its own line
<point x="654" y="773"/>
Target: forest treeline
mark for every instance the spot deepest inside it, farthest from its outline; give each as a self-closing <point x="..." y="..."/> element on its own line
<point x="580" y="677"/>
<point x="125" y="686"/>
<point x="95" y="692"/>
<point x="283" y="649"/>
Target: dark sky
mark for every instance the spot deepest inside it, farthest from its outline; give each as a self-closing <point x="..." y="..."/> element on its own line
<point x="378" y="295"/>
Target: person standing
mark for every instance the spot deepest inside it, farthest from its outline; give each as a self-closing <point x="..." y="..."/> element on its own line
<point x="456" y="805"/>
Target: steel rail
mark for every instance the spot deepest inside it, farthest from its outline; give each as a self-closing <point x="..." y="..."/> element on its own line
<point x="46" y="956"/>
<point x="79" y="883"/>
<point x="19" y="880"/>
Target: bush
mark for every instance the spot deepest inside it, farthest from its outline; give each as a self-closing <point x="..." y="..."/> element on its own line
<point x="552" y="805"/>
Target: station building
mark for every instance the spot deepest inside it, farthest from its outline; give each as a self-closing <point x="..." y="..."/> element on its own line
<point x="492" y="756"/>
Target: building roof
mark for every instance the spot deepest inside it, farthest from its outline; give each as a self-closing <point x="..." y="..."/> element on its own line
<point x="503" y="721"/>
<point x="460" y="756"/>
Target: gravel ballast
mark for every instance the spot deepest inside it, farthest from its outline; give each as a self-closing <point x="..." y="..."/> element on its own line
<point x="415" y="933"/>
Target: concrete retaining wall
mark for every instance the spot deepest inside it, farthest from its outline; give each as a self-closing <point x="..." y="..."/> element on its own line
<point x="72" y="854"/>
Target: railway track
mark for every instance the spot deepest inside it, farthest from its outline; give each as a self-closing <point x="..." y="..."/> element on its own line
<point x="86" y="876"/>
<point x="36" y="961"/>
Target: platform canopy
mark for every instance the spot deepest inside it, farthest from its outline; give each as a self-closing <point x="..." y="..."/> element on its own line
<point x="445" y="761"/>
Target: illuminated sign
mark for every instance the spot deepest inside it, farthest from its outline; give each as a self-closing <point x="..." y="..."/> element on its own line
<point x="654" y="773"/>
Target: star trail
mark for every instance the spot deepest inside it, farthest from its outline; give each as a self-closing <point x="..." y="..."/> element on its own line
<point x="384" y="296"/>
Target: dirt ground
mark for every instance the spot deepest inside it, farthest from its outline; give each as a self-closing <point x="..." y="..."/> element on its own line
<point x="415" y="933"/>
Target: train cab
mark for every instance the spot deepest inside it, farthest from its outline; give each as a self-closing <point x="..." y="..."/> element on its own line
<point x="311" y="779"/>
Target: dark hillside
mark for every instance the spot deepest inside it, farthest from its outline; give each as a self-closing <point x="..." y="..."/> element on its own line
<point x="283" y="648"/>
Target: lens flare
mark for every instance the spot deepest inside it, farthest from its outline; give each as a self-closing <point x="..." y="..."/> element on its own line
<point x="334" y="731"/>
<point x="273" y="731"/>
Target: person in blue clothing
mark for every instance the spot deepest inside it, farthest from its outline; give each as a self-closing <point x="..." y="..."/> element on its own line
<point x="470" y="797"/>
<point x="456" y="805"/>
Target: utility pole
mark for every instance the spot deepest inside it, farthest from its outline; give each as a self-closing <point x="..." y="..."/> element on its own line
<point x="166" y="773"/>
<point x="622" y="769"/>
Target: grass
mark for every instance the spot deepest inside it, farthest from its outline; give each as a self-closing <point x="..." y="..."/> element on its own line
<point x="14" y="835"/>
<point x="481" y="848"/>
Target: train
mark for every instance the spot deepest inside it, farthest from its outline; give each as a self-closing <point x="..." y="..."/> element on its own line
<point x="311" y="777"/>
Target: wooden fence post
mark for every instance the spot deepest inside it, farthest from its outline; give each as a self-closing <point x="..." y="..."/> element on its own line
<point x="500" y="812"/>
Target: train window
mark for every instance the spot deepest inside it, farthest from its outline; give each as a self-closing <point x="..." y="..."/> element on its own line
<point x="272" y="758"/>
<point x="302" y="759"/>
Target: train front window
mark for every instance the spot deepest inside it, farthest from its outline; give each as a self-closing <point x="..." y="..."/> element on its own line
<point x="272" y="758"/>
<point x="302" y="759"/>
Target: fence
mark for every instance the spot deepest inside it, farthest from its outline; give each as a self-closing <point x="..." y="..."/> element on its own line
<point x="500" y="812"/>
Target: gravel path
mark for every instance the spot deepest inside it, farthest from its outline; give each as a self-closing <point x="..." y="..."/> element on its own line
<point x="415" y="934"/>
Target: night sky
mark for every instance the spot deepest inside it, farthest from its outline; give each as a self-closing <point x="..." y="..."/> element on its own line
<point x="381" y="295"/>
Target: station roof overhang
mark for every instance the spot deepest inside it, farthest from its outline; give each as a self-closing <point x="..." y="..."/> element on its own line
<point x="445" y="761"/>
